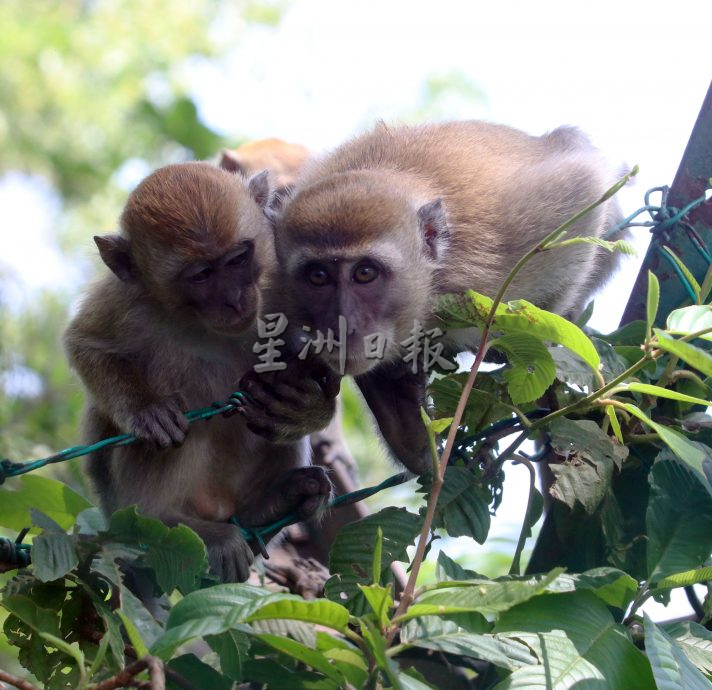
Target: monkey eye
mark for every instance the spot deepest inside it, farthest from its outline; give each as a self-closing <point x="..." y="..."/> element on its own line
<point x="365" y="273"/>
<point x="200" y="276"/>
<point x="318" y="275"/>
<point x="238" y="258"/>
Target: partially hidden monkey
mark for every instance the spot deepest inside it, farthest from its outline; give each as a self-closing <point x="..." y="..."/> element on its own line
<point x="171" y="328"/>
<point x="283" y="159"/>
<point x="379" y="228"/>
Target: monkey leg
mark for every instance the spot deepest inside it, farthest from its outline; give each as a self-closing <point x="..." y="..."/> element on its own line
<point x="229" y="555"/>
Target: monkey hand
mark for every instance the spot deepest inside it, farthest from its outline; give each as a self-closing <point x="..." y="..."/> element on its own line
<point x="229" y="555"/>
<point x="287" y="405"/>
<point x="161" y="424"/>
<point x="395" y="395"/>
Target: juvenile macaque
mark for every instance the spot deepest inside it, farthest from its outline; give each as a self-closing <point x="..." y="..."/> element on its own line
<point x="171" y="328"/>
<point x="375" y="231"/>
<point x="283" y="160"/>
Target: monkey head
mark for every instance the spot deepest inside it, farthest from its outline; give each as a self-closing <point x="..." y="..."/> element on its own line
<point x="357" y="246"/>
<point x="195" y="239"/>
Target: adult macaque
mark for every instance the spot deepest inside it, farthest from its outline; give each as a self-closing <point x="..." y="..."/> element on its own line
<point x="376" y="230"/>
<point x="284" y="160"/>
<point x="171" y="328"/>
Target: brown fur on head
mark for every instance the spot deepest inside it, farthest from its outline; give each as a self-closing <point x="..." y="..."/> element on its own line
<point x="438" y="208"/>
<point x="283" y="159"/>
<point x="195" y="239"/>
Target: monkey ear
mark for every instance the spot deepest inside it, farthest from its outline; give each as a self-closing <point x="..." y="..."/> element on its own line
<point x="433" y="226"/>
<point x="230" y="161"/>
<point x="259" y="188"/>
<point x="114" y="251"/>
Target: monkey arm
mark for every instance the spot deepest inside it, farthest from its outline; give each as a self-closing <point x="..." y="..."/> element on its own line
<point x="395" y="395"/>
<point x="119" y="390"/>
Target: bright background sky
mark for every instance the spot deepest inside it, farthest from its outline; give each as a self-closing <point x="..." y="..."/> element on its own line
<point x="631" y="74"/>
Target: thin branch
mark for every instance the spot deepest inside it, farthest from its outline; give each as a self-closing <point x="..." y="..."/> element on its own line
<point x="19" y="683"/>
<point x="124" y="679"/>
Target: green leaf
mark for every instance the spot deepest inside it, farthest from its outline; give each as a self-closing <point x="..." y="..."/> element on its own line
<point x="679" y="521"/>
<point x="198" y="673"/>
<point x="54" y="554"/>
<point x="56" y="500"/>
<point x="439" y="425"/>
<point x="307" y="656"/>
<point x="483" y="596"/>
<point x="691" y="320"/>
<point x="611" y="585"/>
<point x="620" y="246"/>
<point x="689" y="577"/>
<point x="377" y="555"/>
<point x="351" y="557"/>
<point x="145" y="628"/>
<point x="695" y="356"/>
<point x="275" y="676"/>
<point x="694" y="456"/>
<point x="658" y="391"/>
<point x="208" y="612"/>
<point x="380" y="601"/>
<point x="531" y="369"/>
<point x="472" y="309"/>
<point x="685" y="271"/>
<point x="39" y="619"/>
<point x="352" y="665"/>
<point x="232" y="648"/>
<point x="506" y="653"/>
<point x="377" y="645"/>
<point x="695" y="640"/>
<point x="615" y="424"/>
<point x="671" y="668"/>
<point x="448" y="569"/>
<point x="291" y="607"/>
<point x="578" y="644"/>
<point x="591" y="459"/>
<point x="176" y="554"/>
<point x="463" y="504"/>
<point x="653" y="300"/>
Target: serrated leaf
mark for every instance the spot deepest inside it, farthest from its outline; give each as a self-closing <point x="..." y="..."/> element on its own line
<point x="653" y="300"/>
<point x="351" y="556"/>
<point x="483" y="596"/>
<point x="691" y="319"/>
<point x="177" y="555"/>
<point x="679" y="521"/>
<point x="145" y="625"/>
<point x="448" y="569"/>
<point x="39" y="619"/>
<point x="689" y="577"/>
<point x="578" y="644"/>
<point x="471" y="309"/>
<point x="54" y="554"/>
<point x="463" y="505"/>
<point x="591" y="458"/>
<point x="56" y="500"/>
<point x="671" y="668"/>
<point x="695" y="640"/>
<point x="695" y="356"/>
<point x="531" y="369"/>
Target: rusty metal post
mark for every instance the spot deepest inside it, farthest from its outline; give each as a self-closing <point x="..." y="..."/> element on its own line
<point x="689" y="184"/>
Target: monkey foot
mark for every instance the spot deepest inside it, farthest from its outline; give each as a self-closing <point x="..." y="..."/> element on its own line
<point x="307" y="490"/>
